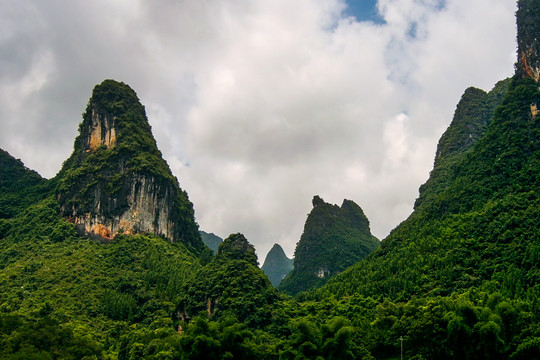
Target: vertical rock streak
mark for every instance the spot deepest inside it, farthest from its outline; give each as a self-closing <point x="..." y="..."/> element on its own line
<point x="102" y="131"/>
<point x="528" y="38"/>
<point x="146" y="208"/>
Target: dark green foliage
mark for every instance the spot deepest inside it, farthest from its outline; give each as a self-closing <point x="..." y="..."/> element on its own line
<point x="277" y="265"/>
<point x="43" y="337"/>
<point x="236" y="247"/>
<point x="480" y="224"/>
<point x="90" y="292"/>
<point x="471" y="119"/>
<point x="19" y="186"/>
<point x="334" y="238"/>
<point x="211" y="240"/>
<point x="203" y="339"/>
<point x="230" y="285"/>
<point x="473" y="114"/>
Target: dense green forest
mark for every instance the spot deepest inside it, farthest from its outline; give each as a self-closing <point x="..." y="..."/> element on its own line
<point x="458" y="279"/>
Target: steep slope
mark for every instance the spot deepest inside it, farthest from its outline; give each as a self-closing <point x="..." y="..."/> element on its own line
<point x="116" y="181"/>
<point x="476" y="220"/>
<point x="471" y="119"/>
<point x="19" y="186"/>
<point x="334" y="238"/>
<point x="472" y="116"/>
<point x="64" y="296"/>
<point x="211" y="240"/>
<point x="277" y="265"/>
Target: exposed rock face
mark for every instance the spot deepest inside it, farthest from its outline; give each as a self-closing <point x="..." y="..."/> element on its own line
<point x="529" y="38"/>
<point x="102" y="131"/>
<point x="147" y="209"/>
<point x="116" y="181"/>
<point x="334" y="238"/>
<point x="277" y="265"/>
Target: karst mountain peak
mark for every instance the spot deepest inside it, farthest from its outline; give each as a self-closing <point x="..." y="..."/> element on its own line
<point x="116" y="181"/>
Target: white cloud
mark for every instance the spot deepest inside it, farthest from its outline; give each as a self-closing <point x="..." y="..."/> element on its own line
<point x="259" y="105"/>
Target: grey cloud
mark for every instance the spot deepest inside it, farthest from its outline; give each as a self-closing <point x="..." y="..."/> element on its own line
<point x="270" y="102"/>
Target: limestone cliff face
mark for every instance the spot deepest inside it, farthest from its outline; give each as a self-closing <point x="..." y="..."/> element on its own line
<point x="116" y="181"/>
<point x="142" y="206"/>
<point x="101" y="130"/>
<point x="529" y="38"/>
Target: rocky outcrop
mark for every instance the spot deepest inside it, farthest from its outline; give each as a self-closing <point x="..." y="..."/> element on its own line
<point x="101" y="130"/>
<point x="471" y="119"/>
<point x="142" y="206"/>
<point x="237" y="247"/>
<point x="334" y="238"/>
<point x="528" y="38"/>
<point x="116" y="181"/>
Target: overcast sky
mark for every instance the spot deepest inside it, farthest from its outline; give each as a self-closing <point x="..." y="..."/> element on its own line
<point x="257" y="105"/>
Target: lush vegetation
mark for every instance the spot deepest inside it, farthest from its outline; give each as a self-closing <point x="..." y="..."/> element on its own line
<point x="19" y="186"/>
<point x="479" y="224"/>
<point x="458" y="284"/>
<point x="334" y="238"/>
<point x="62" y="296"/>
<point x="231" y="285"/>
<point x="459" y="279"/>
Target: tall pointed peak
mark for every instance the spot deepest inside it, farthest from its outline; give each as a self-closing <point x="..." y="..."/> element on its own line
<point x="116" y="181"/>
<point x="114" y="115"/>
<point x="528" y="38"/>
<point x="276" y="249"/>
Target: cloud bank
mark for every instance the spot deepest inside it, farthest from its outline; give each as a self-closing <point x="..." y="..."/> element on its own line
<point x="258" y="105"/>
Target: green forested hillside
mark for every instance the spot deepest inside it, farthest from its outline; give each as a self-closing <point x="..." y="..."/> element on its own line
<point x="478" y="223"/>
<point x="211" y="240"/>
<point x="458" y="279"/>
<point x="334" y="238"/>
<point x="66" y="297"/>
<point x="459" y="285"/>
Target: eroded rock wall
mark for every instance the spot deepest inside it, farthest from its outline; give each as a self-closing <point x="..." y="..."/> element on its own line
<point x="143" y="205"/>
